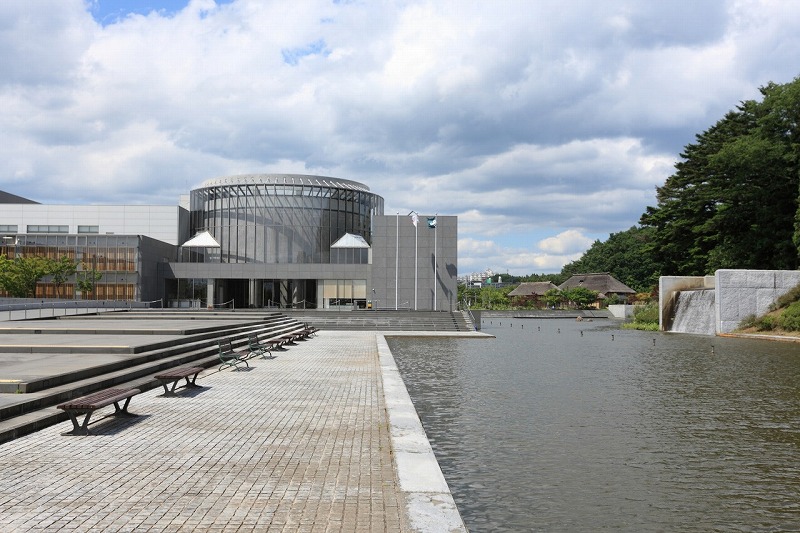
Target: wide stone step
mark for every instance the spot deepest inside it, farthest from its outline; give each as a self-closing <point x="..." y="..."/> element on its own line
<point x="34" y="407"/>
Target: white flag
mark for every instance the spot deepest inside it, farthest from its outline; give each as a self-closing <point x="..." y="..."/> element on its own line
<point x="414" y="219"/>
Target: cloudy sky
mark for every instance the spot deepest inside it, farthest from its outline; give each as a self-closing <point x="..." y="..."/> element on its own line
<point x="543" y="125"/>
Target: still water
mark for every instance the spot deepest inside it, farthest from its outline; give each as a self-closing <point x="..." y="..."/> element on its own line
<point x="558" y="425"/>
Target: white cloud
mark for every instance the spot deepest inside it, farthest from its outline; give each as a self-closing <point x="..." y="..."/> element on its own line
<point x="566" y="242"/>
<point x="523" y="118"/>
<point x="549" y="254"/>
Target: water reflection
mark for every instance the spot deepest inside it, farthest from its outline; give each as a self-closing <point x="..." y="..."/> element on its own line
<point x="566" y="426"/>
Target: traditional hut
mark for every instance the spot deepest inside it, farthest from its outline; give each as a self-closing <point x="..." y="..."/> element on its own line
<point x="531" y="293"/>
<point x="603" y="283"/>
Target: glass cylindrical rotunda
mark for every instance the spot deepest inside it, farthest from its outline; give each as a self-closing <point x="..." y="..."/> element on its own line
<point x="281" y="218"/>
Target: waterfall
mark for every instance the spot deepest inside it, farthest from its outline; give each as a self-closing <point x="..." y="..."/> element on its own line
<point x="694" y="312"/>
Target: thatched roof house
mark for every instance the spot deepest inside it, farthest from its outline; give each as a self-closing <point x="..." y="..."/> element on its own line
<point x="531" y="293"/>
<point x="604" y="283"/>
<point x="536" y="288"/>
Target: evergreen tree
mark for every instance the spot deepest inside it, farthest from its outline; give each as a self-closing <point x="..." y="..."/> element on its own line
<point x="733" y="200"/>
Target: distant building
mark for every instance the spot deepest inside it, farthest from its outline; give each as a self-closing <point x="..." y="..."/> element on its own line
<point x="531" y="293"/>
<point x="253" y="240"/>
<point x="476" y="279"/>
<point x="603" y="283"/>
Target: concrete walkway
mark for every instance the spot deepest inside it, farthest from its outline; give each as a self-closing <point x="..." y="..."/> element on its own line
<point x="321" y="438"/>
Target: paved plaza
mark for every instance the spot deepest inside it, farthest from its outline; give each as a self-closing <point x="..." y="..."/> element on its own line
<point x="312" y="440"/>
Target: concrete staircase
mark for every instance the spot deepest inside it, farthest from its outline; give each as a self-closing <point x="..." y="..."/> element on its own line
<point x="29" y="405"/>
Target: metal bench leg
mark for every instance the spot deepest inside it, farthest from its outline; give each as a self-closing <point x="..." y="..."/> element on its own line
<point x="124" y="410"/>
<point x="167" y="391"/>
<point x="78" y="429"/>
<point x="228" y="363"/>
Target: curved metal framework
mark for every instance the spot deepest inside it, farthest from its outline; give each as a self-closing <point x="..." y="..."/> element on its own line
<point x="281" y="218"/>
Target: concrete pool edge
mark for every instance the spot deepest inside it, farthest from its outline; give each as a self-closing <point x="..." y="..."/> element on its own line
<point x="430" y="504"/>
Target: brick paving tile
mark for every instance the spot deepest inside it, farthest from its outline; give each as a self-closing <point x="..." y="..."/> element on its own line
<point x="297" y="443"/>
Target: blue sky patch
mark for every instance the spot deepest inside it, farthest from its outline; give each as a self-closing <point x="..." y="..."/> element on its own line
<point x="292" y="56"/>
<point x="107" y="12"/>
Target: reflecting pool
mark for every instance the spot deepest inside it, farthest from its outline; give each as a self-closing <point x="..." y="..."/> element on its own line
<point x="558" y="425"/>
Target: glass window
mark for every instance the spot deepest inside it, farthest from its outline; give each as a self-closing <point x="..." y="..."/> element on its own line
<point x="359" y="288"/>
<point x="47" y="229"/>
<point x="329" y="288"/>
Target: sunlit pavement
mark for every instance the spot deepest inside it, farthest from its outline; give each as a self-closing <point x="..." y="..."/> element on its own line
<point x="301" y="442"/>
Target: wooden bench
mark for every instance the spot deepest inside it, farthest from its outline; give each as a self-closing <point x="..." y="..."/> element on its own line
<point x="309" y="331"/>
<point x="91" y="402"/>
<point x="174" y="375"/>
<point x="230" y="357"/>
<point x="289" y="338"/>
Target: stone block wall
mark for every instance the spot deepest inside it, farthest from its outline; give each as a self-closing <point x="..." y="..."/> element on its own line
<point x="741" y="293"/>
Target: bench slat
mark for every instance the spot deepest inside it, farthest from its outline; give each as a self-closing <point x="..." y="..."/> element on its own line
<point x="98" y="399"/>
<point x="177" y="373"/>
<point x="174" y="375"/>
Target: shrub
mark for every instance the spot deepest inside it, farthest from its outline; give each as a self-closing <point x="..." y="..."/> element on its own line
<point x="790" y="318"/>
<point x="766" y="323"/>
<point x="643" y="326"/>
<point x="784" y="301"/>
<point x="646" y="314"/>
<point x="750" y="321"/>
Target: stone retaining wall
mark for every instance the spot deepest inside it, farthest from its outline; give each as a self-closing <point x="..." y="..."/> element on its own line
<point x="739" y="293"/>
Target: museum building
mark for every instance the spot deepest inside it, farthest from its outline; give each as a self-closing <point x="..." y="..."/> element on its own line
<point x="259" y="240"/>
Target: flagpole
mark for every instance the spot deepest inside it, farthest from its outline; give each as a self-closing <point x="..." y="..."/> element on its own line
<point x="435" y="266"/>
<point x="414" y="220"/>
<point x="396" y="255"/>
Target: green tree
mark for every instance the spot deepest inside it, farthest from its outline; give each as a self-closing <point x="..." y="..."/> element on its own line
<point x="86" y="280"/>
<point x="494" y="298"/>
<point x="625" y="255"/>
<point x="733" y="200"/>
<point x="469" y="295"/>
<point x="6" y="273"/>
<point x="553" y="298"/>
<point x="61" y="270"/>
<point x="19" y="276"/>
<point x="580" y="297"/>
<point x="556" y="279"/>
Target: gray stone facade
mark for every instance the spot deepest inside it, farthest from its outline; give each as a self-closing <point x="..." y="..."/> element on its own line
<point x="396" y="244"/>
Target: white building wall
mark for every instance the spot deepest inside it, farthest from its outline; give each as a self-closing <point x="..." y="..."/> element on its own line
<point x="159" y="222"/>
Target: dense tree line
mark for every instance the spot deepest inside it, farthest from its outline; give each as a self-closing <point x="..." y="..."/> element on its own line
<point x="731" y="203"/>
<point x="625" y="255"/>
<point x="496" y="298"/>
